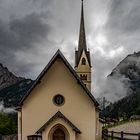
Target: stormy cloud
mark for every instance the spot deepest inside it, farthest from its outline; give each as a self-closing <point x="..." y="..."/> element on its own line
<point x="31" y="31"/>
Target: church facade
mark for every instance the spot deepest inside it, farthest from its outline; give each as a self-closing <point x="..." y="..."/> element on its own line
<point x="59" y="105"/>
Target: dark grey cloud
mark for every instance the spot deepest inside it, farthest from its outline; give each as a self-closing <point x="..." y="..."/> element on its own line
<point x="28" y="30"/>
<point x="124" y="18"/>
<point x="21" y="35"/>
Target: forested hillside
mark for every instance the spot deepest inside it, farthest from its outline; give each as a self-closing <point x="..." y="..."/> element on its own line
<point x="11" y="95"/>
<point x="124" y="108"/>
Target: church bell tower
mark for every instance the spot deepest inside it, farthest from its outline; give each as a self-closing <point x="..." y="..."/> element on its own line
<point x="82" y="55"/>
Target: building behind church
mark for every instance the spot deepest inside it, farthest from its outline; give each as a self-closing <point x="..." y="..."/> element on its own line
<point x="59" y="105"/>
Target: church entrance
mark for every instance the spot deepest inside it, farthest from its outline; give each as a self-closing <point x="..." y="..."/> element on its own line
<point x="58" y="134"/>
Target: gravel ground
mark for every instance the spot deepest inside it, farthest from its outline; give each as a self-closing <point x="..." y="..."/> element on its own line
<point x="131" y="127"/>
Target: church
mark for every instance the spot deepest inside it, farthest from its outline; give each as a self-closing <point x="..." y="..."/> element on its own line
<point x="60" y="105"/>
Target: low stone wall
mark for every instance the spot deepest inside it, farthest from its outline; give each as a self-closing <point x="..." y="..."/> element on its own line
<point x="9" y="137"/>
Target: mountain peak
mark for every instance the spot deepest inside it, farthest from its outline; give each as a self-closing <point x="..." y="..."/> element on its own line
<point x="129" y="67"/>
<point x="7" y="78"/>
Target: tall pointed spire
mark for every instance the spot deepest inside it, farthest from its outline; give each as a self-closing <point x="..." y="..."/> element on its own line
<point x="82" y="40"/>
<point x="82" y="36"/>
<point x="82" y="55"/>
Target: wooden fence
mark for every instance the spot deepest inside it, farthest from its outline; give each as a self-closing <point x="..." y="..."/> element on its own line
<point x="119" y="135"/>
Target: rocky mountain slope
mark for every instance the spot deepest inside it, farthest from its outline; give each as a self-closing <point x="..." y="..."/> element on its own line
<point x="128" y="70"/>
<point x="7" y="78"/>
<point x="12" y="88"/>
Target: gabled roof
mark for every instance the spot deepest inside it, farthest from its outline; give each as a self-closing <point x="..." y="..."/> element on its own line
<point x="59" y="115"/>
<point x="58" y="54"/>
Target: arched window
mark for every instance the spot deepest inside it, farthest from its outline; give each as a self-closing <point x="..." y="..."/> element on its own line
<point x="83" y="61"/>
<point x="59" y="134"/>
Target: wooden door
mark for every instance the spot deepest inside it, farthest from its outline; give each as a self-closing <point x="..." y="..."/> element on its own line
<point x="58" y="134"/>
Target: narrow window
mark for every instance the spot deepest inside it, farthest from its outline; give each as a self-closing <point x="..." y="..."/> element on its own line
<point x="83" y="76"/>
<point x="83" y="61"/>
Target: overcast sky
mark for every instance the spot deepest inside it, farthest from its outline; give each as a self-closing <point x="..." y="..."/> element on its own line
<point x="31" y="31"/>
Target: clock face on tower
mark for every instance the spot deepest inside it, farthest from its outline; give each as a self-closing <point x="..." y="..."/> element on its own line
<point x="58" y="100"/>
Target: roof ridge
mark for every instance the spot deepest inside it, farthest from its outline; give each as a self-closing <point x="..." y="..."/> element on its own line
<point x="60" y="55"/>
